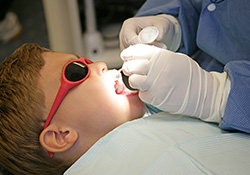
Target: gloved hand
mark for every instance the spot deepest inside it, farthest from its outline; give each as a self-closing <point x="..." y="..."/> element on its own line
<point x="175" y="83"/>
<point x="168" y="26"/>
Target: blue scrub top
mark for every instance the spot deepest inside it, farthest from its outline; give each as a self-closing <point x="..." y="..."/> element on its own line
<point x="221" y="31"/>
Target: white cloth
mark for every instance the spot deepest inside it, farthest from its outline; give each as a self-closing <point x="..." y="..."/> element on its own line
<point x="166" y="144"/>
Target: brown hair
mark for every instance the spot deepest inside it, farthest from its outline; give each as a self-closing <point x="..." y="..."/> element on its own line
<point x="21" y="108"/>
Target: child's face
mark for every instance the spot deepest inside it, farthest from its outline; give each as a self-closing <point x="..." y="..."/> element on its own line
<point x="92" y="107"/>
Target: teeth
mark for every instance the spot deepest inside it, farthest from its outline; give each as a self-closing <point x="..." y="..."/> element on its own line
<point x="118" y="75"/>
<point x="119" y="84"/>
<point x="120" y="87"/>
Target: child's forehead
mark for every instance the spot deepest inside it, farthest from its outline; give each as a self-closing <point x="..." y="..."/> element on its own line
<point x="54" y="64"/>
<point x="58" y="55"/>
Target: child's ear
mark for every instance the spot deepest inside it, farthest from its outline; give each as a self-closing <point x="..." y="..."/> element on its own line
<point x="55" y="139"/>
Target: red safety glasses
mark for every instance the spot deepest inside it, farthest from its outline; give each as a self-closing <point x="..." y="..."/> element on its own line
<point x="74" y="73"/>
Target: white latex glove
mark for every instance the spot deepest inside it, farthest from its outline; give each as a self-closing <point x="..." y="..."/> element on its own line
<point x="175" y="83"/>
<point x="168" y="26"/>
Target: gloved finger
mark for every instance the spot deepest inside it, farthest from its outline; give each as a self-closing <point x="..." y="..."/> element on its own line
<point x="162" y="30"/>
<point x="162" y="24"/>
<point x="140" y="67"/>
<point x="159" y="44"/>
<point x="145" y="97"/>
<point x="139" y="51"/>
<point x="128" y="39"/>
<point x="128" y="35"/>
<point x="165" y="24"/>
<point x="139" y="82"/>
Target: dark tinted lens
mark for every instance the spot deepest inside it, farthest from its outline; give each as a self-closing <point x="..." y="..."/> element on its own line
<point x="76" y="71"/>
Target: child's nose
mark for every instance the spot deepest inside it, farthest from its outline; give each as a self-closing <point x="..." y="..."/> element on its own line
<point x="99" y="67"/>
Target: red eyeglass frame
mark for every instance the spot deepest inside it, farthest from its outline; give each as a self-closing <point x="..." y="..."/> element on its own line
<point x="65" y="86"/>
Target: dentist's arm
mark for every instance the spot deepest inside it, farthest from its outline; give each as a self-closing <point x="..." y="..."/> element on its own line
<point x="175" y="83"/>
<point x="168" y="26"/>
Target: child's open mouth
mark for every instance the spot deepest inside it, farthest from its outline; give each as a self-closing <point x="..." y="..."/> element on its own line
<point x="120" y="88"/>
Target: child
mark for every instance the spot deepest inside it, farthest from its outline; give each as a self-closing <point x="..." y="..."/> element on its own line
<point x="88" y="128"/>
<point x="30" y="79"/>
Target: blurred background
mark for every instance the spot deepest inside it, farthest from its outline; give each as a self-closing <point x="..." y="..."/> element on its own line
<point x="31" y="16"/>
<point x="88" y="28"/>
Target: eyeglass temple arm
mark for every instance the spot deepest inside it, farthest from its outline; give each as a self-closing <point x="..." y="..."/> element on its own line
<point x="63" y="90"/>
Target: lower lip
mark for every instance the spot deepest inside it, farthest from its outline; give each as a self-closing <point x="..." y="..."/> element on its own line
<point x="132" y="94"/>
<point x="135" y="93"/>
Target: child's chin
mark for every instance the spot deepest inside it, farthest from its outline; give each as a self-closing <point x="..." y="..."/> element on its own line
<point x="137" y="105"/>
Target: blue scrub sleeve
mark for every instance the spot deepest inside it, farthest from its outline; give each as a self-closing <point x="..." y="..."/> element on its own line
<point x="222" y="33"/>
<point x="237" y="111"/>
